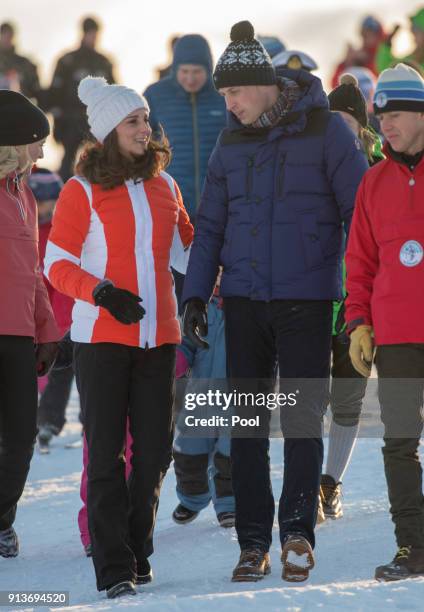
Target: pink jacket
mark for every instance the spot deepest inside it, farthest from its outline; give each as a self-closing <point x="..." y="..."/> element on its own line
<point x="24" y="304"/>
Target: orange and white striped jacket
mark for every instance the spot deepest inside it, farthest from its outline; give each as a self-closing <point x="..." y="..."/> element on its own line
<point x="130" y="235"/>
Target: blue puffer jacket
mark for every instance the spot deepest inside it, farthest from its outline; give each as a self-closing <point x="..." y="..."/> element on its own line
<point x="274" y="205"/>
<point x="191" y="121"/>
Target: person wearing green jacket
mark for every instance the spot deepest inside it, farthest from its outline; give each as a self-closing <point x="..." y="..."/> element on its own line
<point x="385" y="57"/>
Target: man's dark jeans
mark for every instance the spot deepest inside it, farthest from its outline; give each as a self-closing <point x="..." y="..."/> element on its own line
<point x="296" y="337"/>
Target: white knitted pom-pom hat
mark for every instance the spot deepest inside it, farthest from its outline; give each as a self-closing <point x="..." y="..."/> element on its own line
<point x="107" y="105"/>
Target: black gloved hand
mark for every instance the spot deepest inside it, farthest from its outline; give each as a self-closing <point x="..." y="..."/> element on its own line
<point x="123" y="305"/>
<point x="195" y="322"/>
<point x="65" y="355"/>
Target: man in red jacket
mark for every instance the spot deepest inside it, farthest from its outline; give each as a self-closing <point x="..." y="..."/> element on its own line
<point x="385" y="286"/>
<point x="28" y="332"/>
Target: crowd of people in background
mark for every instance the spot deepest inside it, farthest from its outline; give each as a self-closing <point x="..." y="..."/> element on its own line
<point x="278" y="226"/>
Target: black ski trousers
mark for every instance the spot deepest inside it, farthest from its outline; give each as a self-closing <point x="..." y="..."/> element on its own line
<point x="18" y="413"/>
<point x="116" y="381"/>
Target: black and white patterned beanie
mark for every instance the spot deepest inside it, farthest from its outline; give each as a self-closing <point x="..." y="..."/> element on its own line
<point x="244" y="61"/>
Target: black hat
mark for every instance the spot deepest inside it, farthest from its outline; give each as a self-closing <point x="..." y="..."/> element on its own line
<point x="347" y="97"/>
<point x="244" y="61"/>
<point x="21" y="122"/>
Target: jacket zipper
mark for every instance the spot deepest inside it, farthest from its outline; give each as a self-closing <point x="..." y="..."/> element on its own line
<point x="249" y="176"/>
<point x="196" y="149"/>
<point x="144" y="323"/>
<point x="411" y="184"/>
<point x="16" y="198"/>
<point x="281" y="176"/>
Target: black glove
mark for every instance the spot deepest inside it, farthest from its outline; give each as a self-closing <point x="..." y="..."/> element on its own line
<point x="123" y="305"/>
<point x="45" y="354"/>
<point x="195" y="322"/>
<point x="65" y="355"/>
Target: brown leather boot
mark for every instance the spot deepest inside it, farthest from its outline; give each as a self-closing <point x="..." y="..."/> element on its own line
<point x="297" y="558"/>
<point x="253" y="565"/>
<point x="408" y="563"/>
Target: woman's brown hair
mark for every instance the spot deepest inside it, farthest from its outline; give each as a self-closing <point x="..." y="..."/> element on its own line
<point x="105" y="165"/>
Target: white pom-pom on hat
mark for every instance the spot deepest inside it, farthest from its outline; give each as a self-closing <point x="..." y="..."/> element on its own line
<point x="107" y="105"/>
<point x="88" y="86"/>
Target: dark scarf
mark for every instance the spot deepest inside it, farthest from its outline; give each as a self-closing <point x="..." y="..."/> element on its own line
<point x="290" y="93"/>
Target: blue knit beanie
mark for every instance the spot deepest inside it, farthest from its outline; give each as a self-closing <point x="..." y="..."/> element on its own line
<point x="399" y="89"/>
<point x="44" y="184"/>
<point x="192" y="49"/>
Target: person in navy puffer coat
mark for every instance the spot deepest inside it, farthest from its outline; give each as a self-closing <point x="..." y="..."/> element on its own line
<point x="278" y="197"/>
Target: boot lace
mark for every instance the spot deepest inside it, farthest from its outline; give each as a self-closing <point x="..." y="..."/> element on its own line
<point x="251" y="557"/>
<point x="403" y="553"/>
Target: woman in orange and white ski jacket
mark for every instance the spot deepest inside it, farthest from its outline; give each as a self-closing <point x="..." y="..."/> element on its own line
<point x="119" y="226"/>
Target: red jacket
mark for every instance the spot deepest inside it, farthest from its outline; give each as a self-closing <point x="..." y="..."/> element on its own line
<point x="24" y="304"/>
<point x="384" y="259"/>
<point x="130" y="235"/>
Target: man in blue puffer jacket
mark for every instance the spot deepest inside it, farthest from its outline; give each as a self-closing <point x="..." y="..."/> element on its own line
<point x="191" y="112"/>
<point x="278" y="195"/>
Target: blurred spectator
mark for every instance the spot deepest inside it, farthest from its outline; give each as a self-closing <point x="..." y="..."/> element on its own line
<point x="372" y="34"/>
<point x="70" y="123"/>
<point x="385" y="57"/>
<point x="17" y="73"/>
<point x="294" y="60"/>
<point x="272" y="44"/>
<point x="55" y="387"/>
<point x="366" y="83"/>
<point x="164" y="72"/>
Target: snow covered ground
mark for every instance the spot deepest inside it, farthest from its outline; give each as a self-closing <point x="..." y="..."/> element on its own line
<point x="193" y="563"/>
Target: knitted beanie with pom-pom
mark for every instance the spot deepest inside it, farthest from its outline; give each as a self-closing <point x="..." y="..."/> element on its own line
<point x="244" y="61"/>
<point x="107" y="105"/>
<point x="347" y="97"/>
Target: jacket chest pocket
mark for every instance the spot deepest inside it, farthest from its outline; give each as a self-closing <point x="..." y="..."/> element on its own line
<point x="403" y="243"/>
<point x="18" y="232"/>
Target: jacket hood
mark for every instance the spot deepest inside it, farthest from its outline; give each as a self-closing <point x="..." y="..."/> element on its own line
<point x="192" y="49"/>
<point x="312" y="97"/>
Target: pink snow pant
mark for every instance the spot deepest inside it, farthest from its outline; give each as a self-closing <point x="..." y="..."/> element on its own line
<point x="82" y="514"/>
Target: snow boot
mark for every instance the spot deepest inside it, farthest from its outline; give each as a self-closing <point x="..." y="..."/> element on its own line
<point x="297" y="558"/>
<point x="320" y="513"/>
<point x="120" y="589"/>
<point x="9" y="543"/>
<point x="183" y="515"/>
<point x="331" y="493"/>
<point x="408" y="563"/>
<point x="144" y="572"/>
<point x="254" y="564"/>
<point x="226" y="519"/>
